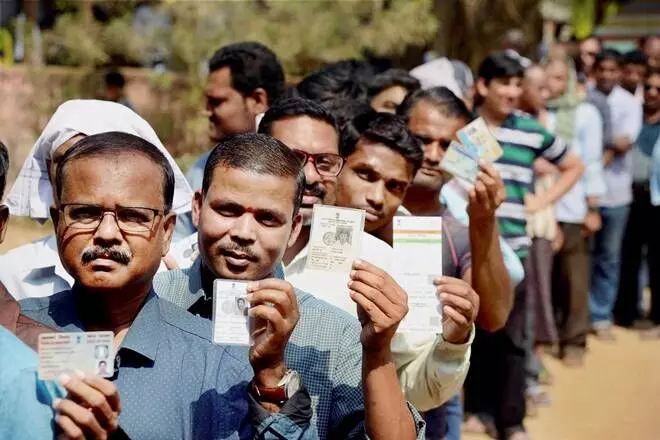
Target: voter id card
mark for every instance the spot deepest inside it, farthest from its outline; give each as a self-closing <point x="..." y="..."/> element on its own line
<point x="460" y="162"/>
<point x="231" y="324"/>
<point x="64" y="353"/>
<point x="477" y="136"/>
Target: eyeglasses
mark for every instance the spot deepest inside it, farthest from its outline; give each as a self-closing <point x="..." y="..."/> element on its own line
<point x="326" y="164"/>
<point x="129" y="219"/>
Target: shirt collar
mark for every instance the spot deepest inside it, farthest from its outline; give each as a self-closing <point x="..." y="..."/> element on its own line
<point x="46" y="256"/>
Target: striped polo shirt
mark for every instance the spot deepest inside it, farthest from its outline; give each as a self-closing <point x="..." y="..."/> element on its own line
<point x="523" y="140"/>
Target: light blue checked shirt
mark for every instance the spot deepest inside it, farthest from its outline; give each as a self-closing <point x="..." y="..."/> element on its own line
<point x="324" y="349"/>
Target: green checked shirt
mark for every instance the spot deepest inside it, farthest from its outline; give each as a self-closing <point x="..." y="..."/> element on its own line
<point x="324" y="349"/>
<point x="523" y="140"/>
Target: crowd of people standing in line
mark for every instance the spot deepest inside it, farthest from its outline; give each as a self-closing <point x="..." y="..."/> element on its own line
<point x="532" y="251"/>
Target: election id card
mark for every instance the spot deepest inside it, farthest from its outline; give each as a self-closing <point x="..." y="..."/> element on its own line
<point x="335" y="238"/>
<point x="477" y="136"/>
<point x="417" y="243"/>
<point x="231" y="324"/>
<point x="460" y="162"/>
<point x="64" y="353"/>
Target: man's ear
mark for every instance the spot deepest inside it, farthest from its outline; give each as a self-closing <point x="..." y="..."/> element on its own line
<point x="258" y="101"/>
<point x="198" y="200"/>
<point x="169" y="222"/>
<point x="295" y="229"/>
<point x="4" y="218"/>
<point x="482" y="88"/>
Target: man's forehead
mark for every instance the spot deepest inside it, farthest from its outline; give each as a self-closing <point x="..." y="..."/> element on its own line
<point x="238" y="185"/>
<point x="219" y="81"/>
<point x="306" y="133"/>
<point x="387" y="162"/>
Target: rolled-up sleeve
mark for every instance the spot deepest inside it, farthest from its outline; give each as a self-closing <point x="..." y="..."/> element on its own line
<point x="590" y="138"/>
<point x="432" y="371"/>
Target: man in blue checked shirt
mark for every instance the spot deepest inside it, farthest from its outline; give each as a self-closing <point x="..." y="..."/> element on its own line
<point x="113" y="222"/>
<point x="247" y="214"/>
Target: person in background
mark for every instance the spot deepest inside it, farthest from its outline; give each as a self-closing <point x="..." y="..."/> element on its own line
<point x="651" y="47"/>
<point x="641" y="229"/>
<point x="387" y="90"/>
<point x="513" y="43"/>
<point x="465" y="80"/>
<point x="589" y="49"/>
<point x="546" y="238"/>
<point x="114" y="88"/>
<point x="580" y="123"/>
<point x="626" y="114"/>
<point x="495" y="387"/>
<point x="341" y="80"/>
<point x="247" y="215"/>
<point x="114" y="221"/>
<point x="633" y="72"/>
<point x="35" y="269"/>
<point x="244" y="80"/>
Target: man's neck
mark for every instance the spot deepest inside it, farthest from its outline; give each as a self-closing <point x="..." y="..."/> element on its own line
<point x="492" y="119"/>
<point x="110" y="310"/>
<point x="299" y="245"/>
<point x="631" y="91"/>
<point x="423" y="201"/>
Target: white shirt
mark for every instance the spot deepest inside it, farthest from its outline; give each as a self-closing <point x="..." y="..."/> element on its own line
<point x="34" y="270"/>
<point x="430" y="370"/>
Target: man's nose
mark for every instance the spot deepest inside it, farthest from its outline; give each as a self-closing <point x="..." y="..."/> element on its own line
<point x="433" y="152"/>
<point x="108" y="230"/>
<point x="376" y="195"/>
<point x="243" y="229"/>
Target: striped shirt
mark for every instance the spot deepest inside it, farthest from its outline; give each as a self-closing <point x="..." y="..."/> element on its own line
<point x="523" y="140"/>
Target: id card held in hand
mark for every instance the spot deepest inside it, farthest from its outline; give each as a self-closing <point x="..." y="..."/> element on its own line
<point x="64" y="353"/>
<point x="231" y="324"/>
<point x="335" y="238"/>
<point x="477" y="136"/>
<point x="460" y="162"/>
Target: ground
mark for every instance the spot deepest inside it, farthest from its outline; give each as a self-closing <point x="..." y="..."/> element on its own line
<point x="615" y="396"/>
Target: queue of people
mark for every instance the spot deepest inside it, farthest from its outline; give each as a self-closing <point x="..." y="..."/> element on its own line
<point x="531" y="252"/>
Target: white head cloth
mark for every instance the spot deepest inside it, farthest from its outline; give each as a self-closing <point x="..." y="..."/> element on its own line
<point x="32" y="193"/>
<point x="436" y="73"/>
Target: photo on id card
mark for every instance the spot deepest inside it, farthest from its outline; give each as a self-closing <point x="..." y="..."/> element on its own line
<point x="335" y="238"/>
<point x="231" y="324"/>
<point x="64" y="353"/>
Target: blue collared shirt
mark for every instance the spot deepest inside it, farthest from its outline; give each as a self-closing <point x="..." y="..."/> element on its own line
<point x="173" y="381"/>
<point x="25" y="401"/>
<point x="324" y="349"/>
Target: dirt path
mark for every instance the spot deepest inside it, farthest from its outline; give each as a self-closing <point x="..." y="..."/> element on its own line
<point x="615" y="396"/>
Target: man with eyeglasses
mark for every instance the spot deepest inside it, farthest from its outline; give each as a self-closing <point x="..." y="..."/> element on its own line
<point x="641" y="229"/>
<point x="113" y="220"/>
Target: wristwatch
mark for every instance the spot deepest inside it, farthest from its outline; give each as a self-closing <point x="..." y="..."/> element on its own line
<point x="287" y="387"/>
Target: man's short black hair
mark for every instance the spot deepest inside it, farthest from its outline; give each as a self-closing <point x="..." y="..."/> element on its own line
<point x="256" y="153"/>
<point x="344" y="109"/>
<point x="386" y="129"/>
<point x="115" y="78"/>
<point x="4" y="168"/>
<point x="391" y="78"/>
<point x="112" y="144"/>
<point x="343" y="79"/>
<point x="291" y="107"/>
<point x="635" y="57"/>
<point x="499" y="65"/>
<point x="608" y="55"/>
<point x="440" y="97"/>
<point x="252" y="66"/>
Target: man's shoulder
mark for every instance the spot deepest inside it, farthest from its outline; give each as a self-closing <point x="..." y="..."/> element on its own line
<point x="175" y="286"/>
<point x="523" y="121"/>
<point x="35" y="305"/>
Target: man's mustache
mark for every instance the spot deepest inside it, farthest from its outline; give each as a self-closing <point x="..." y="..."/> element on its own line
<point x="315" y="190"/>
<point x="236" y="248"/>
<point x="115" y="253"/>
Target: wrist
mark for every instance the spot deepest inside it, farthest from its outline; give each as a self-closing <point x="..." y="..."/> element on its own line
<point x="269" y="377"/>
<point x="377" y="357"/>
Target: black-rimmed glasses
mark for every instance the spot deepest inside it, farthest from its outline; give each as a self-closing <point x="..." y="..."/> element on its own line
<point x="326" y="164"/>
<point x="128" y="218"/>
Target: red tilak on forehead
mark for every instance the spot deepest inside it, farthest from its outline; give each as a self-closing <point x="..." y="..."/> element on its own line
<point x="250" y="209"/>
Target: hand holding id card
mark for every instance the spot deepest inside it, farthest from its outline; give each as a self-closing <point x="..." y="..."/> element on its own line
<point x="64" y="353"/>
<point x="231" y="324"/>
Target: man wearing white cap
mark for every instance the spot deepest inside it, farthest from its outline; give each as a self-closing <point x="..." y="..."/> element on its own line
<point x="35" y="270"/>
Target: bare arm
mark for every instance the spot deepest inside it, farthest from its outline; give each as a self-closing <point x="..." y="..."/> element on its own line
<point x="488" y="274"/>
<point x="571" y="169"/>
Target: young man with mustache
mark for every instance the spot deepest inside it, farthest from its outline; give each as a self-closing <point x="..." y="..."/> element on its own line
<point x="113" y="220"/>
<point x="247" y="212"/>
